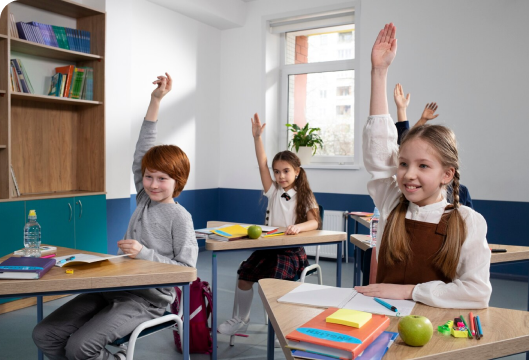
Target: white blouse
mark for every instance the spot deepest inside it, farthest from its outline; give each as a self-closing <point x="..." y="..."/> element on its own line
<point x="471" y="288"/>
<point x="282" y="213"/>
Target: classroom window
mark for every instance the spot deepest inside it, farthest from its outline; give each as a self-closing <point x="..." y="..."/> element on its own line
<point x="318" y="86"/>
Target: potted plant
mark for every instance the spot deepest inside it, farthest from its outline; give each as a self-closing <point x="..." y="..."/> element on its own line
<point x="305" y="141"/>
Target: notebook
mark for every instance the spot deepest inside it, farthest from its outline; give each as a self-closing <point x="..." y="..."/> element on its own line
<point x="26" y="268"/>
<point x="320" y="337"/>
<point x="343" y="298"/>
<point x="81" y="259"/>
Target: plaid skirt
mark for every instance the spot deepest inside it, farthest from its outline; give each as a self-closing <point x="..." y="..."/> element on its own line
<point x="283" y="264"/>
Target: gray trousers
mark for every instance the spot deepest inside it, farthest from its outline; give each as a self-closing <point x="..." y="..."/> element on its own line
<point x="81" y="328"/>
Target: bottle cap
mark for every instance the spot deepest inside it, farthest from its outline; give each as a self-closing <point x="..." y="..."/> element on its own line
<point x="376" y="213"/>
<point x="32" y="214"/>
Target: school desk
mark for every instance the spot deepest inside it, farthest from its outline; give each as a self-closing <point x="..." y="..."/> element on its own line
<point x="505" y="331"/>
<point x="315" y="237"/>
<point x="117" y="274"/>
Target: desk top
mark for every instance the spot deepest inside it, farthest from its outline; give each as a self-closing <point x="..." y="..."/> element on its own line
<point x="363" y="220"/>
<point x="514" y="253"/>
<point x="118" y="272"/>
<point x="305" y="238"/>
<point x="506" y="332"/>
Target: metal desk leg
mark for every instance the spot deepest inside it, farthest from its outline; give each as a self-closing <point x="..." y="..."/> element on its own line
<point x="357" y="280"/>
<point x="40" y="316"/>
<point x="215" y="303"/>
<point x="270" y="342"/>
<point x="339" y="264"/>
<point x="185" y="345"/>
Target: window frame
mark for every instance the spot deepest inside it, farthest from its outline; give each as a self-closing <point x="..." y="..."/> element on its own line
<point x="295" y="69"/>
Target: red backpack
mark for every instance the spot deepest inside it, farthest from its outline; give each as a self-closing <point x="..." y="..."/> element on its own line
<point x="200" y="340"/>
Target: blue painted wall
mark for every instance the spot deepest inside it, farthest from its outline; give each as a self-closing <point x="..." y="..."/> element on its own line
<point x="505" y="219"/>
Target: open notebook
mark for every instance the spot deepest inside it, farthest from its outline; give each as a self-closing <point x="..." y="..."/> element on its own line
<point x="80" y="259"/>
<point x="343" y="298"/>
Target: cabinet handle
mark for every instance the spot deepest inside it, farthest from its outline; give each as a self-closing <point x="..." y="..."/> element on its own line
<point x="71" y="212"/>
<point x="81" y="206"/>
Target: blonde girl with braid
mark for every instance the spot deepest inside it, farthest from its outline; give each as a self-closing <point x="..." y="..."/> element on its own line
<point x="427" y="249"/>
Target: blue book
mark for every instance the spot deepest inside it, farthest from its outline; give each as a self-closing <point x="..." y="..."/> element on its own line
<point x="25" y="267"/>
<point x="21" y="32"/>
<point x="378" y="348"/>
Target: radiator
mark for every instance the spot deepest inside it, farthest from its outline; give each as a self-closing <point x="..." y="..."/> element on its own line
<point x="335" y="221"/>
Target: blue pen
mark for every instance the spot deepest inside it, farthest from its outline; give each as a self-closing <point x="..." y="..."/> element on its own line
<point x="479" y="326"/>
<point x="65" y="260"/>
<point x="385" y="304"/>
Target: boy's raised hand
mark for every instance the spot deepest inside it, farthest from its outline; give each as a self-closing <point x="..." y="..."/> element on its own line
<point x="385" y="47"/>
<point x="400" y="100"/>
<point x="257" y="128"/>
<point x="429" y="112"/>
<point x="164" y="85"/>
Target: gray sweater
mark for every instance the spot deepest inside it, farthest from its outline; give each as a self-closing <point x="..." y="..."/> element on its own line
<point x="165" y="230"/>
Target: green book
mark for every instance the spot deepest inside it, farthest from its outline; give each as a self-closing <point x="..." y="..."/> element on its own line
<point x="61" y="39"/>
<point x="77" y="83"/>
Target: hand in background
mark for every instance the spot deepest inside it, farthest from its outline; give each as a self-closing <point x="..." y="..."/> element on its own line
<point x="164" y="85"/>
<point x="385" y="47"/>
<point x="257" y="128"/>
<point x="130" y="247"/>
<point x="387" y="291"/>
<point x="428" y="114"/>
<point x="400" y="100"/>
<point x="292" y="230"/>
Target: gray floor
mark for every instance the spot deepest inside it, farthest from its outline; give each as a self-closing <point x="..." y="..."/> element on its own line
<point x="16" y="327"/>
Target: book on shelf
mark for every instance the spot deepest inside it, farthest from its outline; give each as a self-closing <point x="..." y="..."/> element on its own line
<point x="22" y="81"/>
<point x="343" y="298"/>
<point x="77" y="83"/>
<point x="54" y="84"/>
<point x="335" y="340"/>
<point x="15" y="184"/>
<point x="25" y="268"/>
<point x="68" y="71"/>
<point x="26" y="76"/>
<point x="51" y="35"/>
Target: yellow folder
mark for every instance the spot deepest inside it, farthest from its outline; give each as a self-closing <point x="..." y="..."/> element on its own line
<point x="353" y="318"/>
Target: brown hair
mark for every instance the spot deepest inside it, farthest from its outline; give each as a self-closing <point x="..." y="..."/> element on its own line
<point x="397" y="248"/>
<point x="169" y="159"/>
<point x="305" y="196"/>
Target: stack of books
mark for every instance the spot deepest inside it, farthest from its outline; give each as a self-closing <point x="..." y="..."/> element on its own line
<point x="56" y="36"/>
<point x="19" y="78"/>
<point x="230" y="232"/>
<point x="320" y="339"/>
<point x="73" y="82"/>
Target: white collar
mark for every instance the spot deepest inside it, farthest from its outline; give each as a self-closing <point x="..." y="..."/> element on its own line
<point x="435" y="207"/>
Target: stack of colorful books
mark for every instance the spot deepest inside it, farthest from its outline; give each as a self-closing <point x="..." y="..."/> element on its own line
<point x="19" y="78"/>
<point x="325" y="337"/>
<point x="73" y="82"/>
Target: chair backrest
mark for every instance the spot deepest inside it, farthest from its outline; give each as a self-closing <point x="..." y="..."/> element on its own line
<point x="322" y="212"/>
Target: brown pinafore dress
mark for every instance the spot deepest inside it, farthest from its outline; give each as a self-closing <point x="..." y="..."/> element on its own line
<point x="425" y="241"/>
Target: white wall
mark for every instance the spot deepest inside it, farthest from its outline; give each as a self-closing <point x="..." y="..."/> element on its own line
<point x="469" y="56"/>
<point x="145" y="40"/>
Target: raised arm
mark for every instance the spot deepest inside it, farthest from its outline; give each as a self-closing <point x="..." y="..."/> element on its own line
<point x="257" y="130"/>
<point x="148" y="132"/>
<point x="427" y="114"/>
<point x="402" y="102"/>
<point x="382" y="54"/>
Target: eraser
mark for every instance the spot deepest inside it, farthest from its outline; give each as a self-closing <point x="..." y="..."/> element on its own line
<point x="69" y="271"/>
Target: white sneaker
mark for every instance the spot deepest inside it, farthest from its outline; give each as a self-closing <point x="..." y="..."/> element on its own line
<point x="232" y="326"/>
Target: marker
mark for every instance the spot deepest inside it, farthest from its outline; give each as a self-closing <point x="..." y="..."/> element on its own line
<point x="479" y="326"/>
<point x="47" y="256"/>
<point x="65" y="260"/>
<point x="468" y="329"/>
<point x="385" y="304"/>
<point x="271" y="232"/>
<point x="471" y="320"/>
<point x="476" y="327"/>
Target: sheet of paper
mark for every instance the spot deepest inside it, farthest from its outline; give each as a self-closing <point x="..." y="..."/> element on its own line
<point x="368" y="304"/>
<point x="317" y="295"/>
<point x="84" y="259"/>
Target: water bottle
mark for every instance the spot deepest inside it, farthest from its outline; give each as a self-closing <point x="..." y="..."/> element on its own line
<point x="373" y="227"/>
<point x="32" y="236"/>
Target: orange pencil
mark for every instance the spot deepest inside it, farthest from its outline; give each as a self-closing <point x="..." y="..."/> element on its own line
<point x="471" y="317"/>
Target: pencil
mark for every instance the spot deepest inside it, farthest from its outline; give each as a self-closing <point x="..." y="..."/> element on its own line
<point x="468" y="329"/>
<point x="471" y="320"/>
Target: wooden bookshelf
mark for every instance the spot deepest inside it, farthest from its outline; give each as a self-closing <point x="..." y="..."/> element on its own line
<point x="31" y="48"/>
<point x="56" y="146"/>
<point x="54" y="99"/>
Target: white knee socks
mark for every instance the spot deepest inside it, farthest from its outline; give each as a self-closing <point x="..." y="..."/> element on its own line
<point x="244" y="301"/>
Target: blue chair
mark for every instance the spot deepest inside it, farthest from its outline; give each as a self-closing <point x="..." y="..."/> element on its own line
<point x="165" y="322"/>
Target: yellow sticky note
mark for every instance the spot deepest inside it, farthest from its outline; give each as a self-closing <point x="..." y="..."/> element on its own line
<point x="353" y="318"/>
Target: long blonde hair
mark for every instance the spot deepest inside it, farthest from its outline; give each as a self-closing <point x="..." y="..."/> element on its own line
<point x="395" y="236"/>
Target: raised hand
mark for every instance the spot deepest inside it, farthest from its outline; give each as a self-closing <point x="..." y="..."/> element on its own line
<point x="164" y="85"/>
<point x="429" y="112"/>
<point x="400" y="100"/>
<point x="385" y="47"/>
<point x="257" y="128"/>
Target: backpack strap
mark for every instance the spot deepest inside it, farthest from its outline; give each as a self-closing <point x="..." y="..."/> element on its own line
<point x="206" y="291"/>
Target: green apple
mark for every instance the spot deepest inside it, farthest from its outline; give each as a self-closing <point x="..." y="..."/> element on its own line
<point x="415" y="330"/>
<point x="254" y="232"/>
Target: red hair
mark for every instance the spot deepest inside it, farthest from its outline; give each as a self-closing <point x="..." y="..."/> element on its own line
<point x="171" y="160"/>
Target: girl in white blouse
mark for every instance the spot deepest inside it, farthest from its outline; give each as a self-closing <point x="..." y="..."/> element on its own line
<point x="427" y="250"/>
